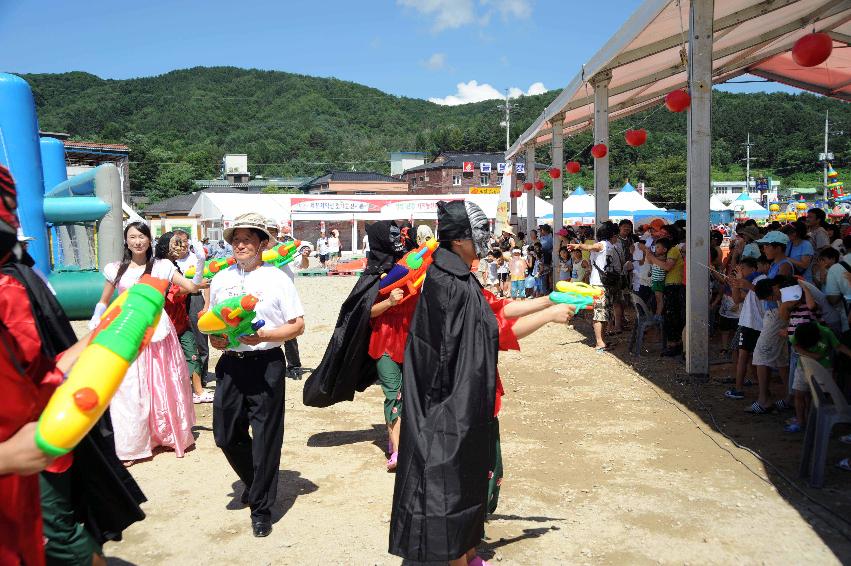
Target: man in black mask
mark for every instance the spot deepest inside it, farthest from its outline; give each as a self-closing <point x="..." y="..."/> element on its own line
<point x="346" y="366"/>
<point x="451" y="392"/>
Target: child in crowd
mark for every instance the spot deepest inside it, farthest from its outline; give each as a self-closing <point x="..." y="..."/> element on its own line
<point x="657" y="274"/>
<point x="517" y="267"/>
<point x="502" y="275"/>
<point x="729" y="311"/>
<point x="747" y="274"/>
<point x="579" y="273"/>
<point x="565" y="264"/>
<point x="490" y="276"/>
<point x="826" y="258"/>
<point x="771" y="350"/>
<point x="818" y="342"/>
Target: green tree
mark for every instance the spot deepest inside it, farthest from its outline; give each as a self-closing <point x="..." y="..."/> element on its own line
<point x="172" y="180"/>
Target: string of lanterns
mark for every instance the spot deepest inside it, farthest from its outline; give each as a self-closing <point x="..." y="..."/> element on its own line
<point x="810" y="50"/>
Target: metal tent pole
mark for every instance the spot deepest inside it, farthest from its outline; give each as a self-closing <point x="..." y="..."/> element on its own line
<point x="558" y="191"/>
<point x="600" y="83"/>
<point x="697" y="200"/>
<point x="531" y="221"/>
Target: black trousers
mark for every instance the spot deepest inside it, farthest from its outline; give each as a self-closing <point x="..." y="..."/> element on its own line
<point x="250" y="392"/>
<point x="196" y="303"/>
<point x="292" y="355"/>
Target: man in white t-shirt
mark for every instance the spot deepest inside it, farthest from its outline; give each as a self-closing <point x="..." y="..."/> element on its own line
<point x="250" y="377"/>
<point x="322" y="248"/>
<point x="815" y="229"/>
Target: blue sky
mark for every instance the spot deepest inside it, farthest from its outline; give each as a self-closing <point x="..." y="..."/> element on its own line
<point x="419" y="48"/>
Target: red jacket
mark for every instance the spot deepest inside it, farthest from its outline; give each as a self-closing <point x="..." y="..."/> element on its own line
<point x="22" y="398"/>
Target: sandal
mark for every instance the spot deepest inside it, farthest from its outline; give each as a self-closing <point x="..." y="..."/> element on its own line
<point x="843" y="464"/>
<point x="757" y="409"/>
<point x="782" y="405"/>
<point x="748" y="383"/>
<point x="205" y="397"/>
<point x="477" y="561"/>
<point x="734" y="394"/>
<point x="792" y="427"/>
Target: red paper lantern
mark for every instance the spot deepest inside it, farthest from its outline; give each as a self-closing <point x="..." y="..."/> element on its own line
<point x="527" y="186"/>
<point x="812" y="49"/>
<point x="677" y="100"/>
<point x="539" y="185"/>
<point x="599" y="151"/>
<point x="636" y="138"/>
<point x="573" y="167"/>
<point x="555" y="172"/>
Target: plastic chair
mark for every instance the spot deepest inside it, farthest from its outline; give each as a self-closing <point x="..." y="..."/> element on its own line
<point x="829" y="408"/>
<point x="644" y="319"/>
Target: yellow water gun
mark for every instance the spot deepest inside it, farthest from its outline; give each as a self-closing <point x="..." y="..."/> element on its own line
<point x="124" y="331"/>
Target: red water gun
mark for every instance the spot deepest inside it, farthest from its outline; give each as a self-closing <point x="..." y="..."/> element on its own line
<point x="409" y="272"/>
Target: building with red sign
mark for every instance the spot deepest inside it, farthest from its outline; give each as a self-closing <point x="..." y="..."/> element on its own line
<point x="354" y="183"/>
<point x="456" y="172"/>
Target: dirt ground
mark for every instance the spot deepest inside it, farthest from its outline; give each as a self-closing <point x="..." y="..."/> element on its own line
<point x="605" y="463"/>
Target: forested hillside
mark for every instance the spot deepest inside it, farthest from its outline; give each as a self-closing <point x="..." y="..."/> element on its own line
<point x="179" y="125"/>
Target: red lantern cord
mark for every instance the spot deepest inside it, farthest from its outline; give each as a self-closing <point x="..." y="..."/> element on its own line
<point x="812" y="49"/>
<point x="677" y="100"/>
<point x="599" y="151"/>
<point x="573" y="167"/>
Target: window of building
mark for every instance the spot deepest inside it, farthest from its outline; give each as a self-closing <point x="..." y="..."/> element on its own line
<point x="485" y="179"/>
<point x="456" y="180"/>
<point x="413" y="182"/>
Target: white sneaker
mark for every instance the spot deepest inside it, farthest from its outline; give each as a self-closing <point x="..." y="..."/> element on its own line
<point x="205" y="397"/>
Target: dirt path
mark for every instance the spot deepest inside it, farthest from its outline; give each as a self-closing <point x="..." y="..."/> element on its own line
<point x="602" y="467"/>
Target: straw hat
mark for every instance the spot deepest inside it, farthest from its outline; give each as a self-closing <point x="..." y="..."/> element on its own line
<point x="247" y="220"/>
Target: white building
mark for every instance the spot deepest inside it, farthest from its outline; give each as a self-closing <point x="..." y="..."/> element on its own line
<point x="402" y="160"/>
<point x="759" y="189"/>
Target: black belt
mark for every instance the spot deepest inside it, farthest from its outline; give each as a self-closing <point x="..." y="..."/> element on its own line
<point x="252" y="353"/>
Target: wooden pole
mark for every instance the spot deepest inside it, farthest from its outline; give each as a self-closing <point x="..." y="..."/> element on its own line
<point x="558" y="191"/>
<point x="531" y="221"/>
<point x="702" y="13"/>
<point x="600" y="83"/>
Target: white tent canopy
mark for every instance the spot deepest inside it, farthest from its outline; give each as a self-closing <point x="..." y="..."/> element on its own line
<point x="577" y="208"/>
<point x="751" y="208"/>
<point x="716" y="204"/>
<point x="630" y="204"/>
<point x="750" y="37"/>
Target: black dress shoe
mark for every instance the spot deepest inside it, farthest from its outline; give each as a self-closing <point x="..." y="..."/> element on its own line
<point x="261" y="528"/>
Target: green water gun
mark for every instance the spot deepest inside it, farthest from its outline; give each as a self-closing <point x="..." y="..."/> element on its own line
<point x="580" y="295"/>
<point x="231" y="318"/>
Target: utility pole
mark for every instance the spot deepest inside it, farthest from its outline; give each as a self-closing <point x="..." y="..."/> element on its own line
<point x="506" y="108"/>
<point x="826" y="156"/>
<point x="748" y="164"/>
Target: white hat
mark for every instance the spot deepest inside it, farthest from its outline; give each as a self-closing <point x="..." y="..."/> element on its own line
<point x="247" y="220"/>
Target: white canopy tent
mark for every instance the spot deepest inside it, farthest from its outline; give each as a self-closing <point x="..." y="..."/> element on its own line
<point x="672" y="44"/>
<point x="747" y="206"/>
<point x="716" y="204"/>
<point x="631" y="205"/>
<point x="578" y="208"/>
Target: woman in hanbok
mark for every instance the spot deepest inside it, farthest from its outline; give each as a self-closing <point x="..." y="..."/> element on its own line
<point x="153" y="406"/>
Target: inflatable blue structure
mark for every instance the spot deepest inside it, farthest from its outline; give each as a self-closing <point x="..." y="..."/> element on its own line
<point x="76" y="223"/>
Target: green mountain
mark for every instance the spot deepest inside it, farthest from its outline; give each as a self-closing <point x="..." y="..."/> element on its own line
<point x="178" y="125"/>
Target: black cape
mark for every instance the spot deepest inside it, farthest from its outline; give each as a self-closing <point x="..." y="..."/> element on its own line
<point x="106" y="498"/>
<point x="346" y="366"/>
<point x="449" y="389"/>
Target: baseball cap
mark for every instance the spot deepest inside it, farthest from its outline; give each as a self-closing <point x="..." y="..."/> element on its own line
<point x="775" y="237"/>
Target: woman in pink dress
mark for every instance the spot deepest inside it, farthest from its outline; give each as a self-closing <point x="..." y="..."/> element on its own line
<point x="153" y="406"/>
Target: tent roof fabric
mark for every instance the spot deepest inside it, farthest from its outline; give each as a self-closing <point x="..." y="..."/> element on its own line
<point x="646" y="57"/>
<point x="745" y="203"/>
<point x="716" y="204"/>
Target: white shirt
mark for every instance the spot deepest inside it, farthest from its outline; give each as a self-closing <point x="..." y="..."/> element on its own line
<point x="600" y="259"/>
<point x="641" y="274"/>
<point x="322" y="246"/>
<point x="819" y="238"/>
<point x="752" y="309"/>
<point x="278" y="304"/>
<point x="333" y="244"/>
<point x="365" y="243"/>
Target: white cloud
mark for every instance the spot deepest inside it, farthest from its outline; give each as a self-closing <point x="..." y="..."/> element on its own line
<point x="450" y="14"/>
<point x="436" y="62"/>
<point x="472" y="91"/>
<point x="511" y="8"/>
<point x="447" y="14"/>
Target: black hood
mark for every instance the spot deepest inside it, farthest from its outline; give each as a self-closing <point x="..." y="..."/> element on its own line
<point x="384" y="246"/>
